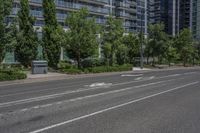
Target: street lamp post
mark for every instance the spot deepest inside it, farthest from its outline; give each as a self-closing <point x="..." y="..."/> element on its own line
<point x="141" y="54"/>
<point x="143" y="15"/>
<point x="141" y="45"/>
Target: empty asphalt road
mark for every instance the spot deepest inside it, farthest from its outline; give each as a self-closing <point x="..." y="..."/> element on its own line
<point x="166" y="101"/>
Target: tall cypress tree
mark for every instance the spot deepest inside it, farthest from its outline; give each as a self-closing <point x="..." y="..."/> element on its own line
<point x="27" y="41"/>
<point x="51" y="46"/>
<point x="5" y="8"/>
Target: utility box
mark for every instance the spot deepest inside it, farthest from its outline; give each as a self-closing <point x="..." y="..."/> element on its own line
<point x="39" y="67"/>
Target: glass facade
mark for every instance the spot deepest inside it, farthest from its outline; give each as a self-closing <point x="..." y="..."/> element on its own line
<point x="174" y="14"/>
<point x="196" y="19"/>
<point x="130" y="11"/>
<point x="185" y="9"/>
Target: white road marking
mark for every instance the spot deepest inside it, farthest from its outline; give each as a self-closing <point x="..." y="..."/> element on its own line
<point x="190" y="73"/>
<point x="36" y="107"/>
<point x="23" y="110"/>
<point x="139" y="78"/>
<point x="34" y="99"/>
<point x="111" y="108"/>
<point x="99" y="84"/>
<point x="59" y="103"/>
<point x="130" y="75"/>
<point x="91" y="96"/>
<point x="152" y="77"/>
<point x="46" y="105"/>
<point x="19" y="83"/>
<point x="116" y="91"/>
<point x="173" y="75"/>
<point x="34" y="91"/>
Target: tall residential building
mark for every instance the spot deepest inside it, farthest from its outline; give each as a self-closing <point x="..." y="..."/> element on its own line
<point x="176" y="15"/>
<point x="166" y="12"/>
<point x="130" y="11"/>
<point x="185" y="14"/>
<point x="195" y="23"/>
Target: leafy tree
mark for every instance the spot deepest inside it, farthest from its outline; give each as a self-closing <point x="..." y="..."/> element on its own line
<point x="171" y="51"/>
<point x="5" y="8"/>
<point x="27" y="41"/>
<point x="184" y="45"/>
<point x="82" y="36"/>
<point x="196" y="52"/>
<point x="121" y="54"/>
<point x="197" y="46"/>
<point x="131" y="41"/>
<point x="107" y="52"/>
<point x="51" y="31"/>
<point x="156" y="41"/>
<point x="11" y="36"/>
<point x="112" y="37"/>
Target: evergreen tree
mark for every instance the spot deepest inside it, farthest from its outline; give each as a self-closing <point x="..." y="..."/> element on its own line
<point x="27" y="41"/>
<point x="51" y="45"/>
<point x="5" y="8"/>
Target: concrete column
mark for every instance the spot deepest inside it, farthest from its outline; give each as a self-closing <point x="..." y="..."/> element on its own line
<point x="191" y="16"/>
<point x="174" y="18"/>
<point x="146" y="19"/>
<point x="177" y="26"/>
<point x="110" y="5"/>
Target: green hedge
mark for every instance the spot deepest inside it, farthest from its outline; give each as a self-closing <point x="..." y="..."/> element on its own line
<point x="64" y="65"/>
<point x="92" y="62"/>
<point x="11" y="74"/>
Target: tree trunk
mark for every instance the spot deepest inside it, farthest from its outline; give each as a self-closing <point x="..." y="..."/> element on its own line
<point x="169" y="63"/>
<point x="148" y="59"/>
<point x="193" y="61"/>
<point x="153" y="62"/>
<point x="78" y="58"/>
<point x="111" y="58"/>
<point x="184" y="62"/>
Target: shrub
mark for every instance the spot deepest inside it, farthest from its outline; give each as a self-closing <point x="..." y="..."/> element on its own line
<point x="92" y="62"/>
<point x="99" y="69"/>
<point x="64" y="65"/>
<point x="11" y="74"/>
<point x="11" y="66"/>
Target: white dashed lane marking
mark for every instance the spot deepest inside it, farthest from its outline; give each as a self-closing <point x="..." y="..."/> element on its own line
<point x="110" y="108"/>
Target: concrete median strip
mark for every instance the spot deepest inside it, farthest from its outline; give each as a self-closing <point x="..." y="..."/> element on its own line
<point x="112" y="108"/>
